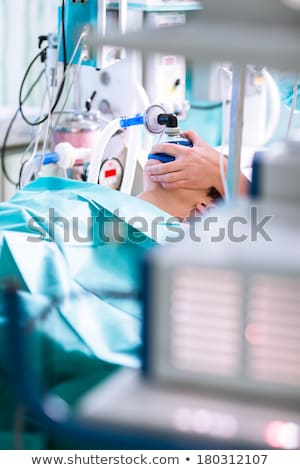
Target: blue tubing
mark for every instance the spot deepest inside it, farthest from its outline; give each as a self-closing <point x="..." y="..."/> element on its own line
<point x="133" y="121"/>
<point x="51" y="157"/>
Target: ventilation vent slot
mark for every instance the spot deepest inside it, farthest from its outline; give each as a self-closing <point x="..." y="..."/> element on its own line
<point x="273" y="330"/>
<point x="205" y="323"/>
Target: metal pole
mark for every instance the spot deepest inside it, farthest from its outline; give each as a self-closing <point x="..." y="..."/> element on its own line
<point x="236" y="130"/>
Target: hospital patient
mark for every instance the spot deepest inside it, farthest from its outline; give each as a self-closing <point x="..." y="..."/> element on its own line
<point x="191" y="183"/>
<point x="187" y="199"/>
<point x="180" y="203"/>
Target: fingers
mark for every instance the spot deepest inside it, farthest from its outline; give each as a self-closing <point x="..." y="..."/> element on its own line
<point x="162" y="168"/>
<point x="148" y="167"/>
<point x="194" y="138"/>
<point x="168" y="177"/>
<point x="176" y="185"/>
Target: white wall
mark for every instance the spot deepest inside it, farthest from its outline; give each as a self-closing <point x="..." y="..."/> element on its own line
<point x="21" y="22"/>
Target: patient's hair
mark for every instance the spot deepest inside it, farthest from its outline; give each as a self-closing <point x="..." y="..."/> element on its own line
<point x="214" y="194"/>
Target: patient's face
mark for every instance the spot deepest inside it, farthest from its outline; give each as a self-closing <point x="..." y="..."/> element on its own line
<point x="192" y="200"/>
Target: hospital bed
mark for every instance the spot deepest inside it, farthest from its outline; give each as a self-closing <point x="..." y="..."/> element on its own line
<point x="78" y="286"/>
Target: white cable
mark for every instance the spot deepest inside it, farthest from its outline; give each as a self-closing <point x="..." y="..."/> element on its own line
<point x="51" y="102"/>
<point x="36" y="135"/>
<point x="40" y="127"/>
<point x="29" y="168"/>
<point x="293" y="107"/>
<point x="49" y="120"/>
<point x="75" y="76"/>
<point x="34" y="143"/>
<point x="28" y="149"/>
<point x="224" y="129"/>
<point x="48" y="125"/>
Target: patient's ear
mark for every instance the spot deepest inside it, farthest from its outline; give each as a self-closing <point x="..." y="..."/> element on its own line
<point x="205" y="204"/>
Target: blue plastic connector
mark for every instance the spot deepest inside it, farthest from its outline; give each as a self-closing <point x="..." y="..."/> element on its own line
<point x="49" y="158"/>
<point x="133" y="121"/>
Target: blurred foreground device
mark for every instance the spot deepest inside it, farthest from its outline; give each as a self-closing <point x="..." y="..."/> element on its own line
<point x="222" y="326"/>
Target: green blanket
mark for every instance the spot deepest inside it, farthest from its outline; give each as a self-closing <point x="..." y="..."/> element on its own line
<point x="79" y="246"/>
